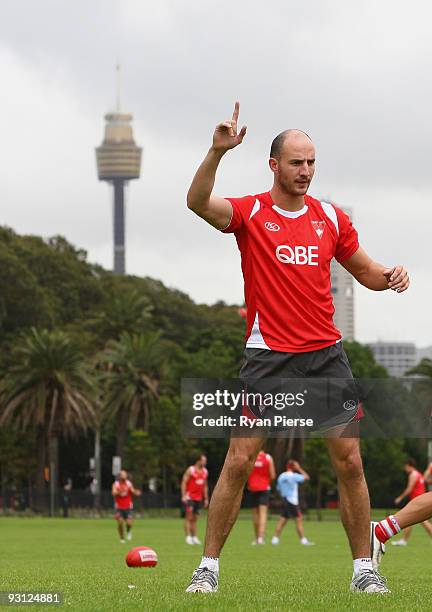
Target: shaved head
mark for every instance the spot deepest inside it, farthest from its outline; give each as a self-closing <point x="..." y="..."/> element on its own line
<point x="279" y="141"/>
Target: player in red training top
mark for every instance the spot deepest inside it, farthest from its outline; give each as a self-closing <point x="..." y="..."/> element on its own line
<point x="415" y="487"/>
<point x="122" y="491"/>
<point x="194" y="492"/>
<point x="418" y="510"/>
<point x="287" y="240"/>
<point x="258" y="485"/>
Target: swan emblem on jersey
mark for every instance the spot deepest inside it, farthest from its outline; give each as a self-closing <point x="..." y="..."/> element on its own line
<point x="272" y="227"/>
<point x="319" y="227"/>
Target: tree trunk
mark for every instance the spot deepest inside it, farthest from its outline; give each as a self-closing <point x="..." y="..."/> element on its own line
<point x="297" y="449"/>
<point x="3" y="487"/>
<point x="53" y="470"/>
<point x="164" y="486"/>
<point x="122" y="431"/>
<point x="98" y="471"/>
<point x="40" y="496"/>
<point x="318" y="497"/>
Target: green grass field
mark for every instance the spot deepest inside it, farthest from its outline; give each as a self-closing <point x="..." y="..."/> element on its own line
<point x="84" y="559"/>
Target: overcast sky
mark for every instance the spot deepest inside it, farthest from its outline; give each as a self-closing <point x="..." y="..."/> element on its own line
<point x="355" y="75"/>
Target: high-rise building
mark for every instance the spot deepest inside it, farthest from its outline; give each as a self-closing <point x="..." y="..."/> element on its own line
<point x="118" y="161"/>
<point x="396" y="357"/>
<point x="342" y="288"/>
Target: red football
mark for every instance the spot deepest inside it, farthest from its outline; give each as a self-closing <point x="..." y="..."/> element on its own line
<point x="141" y="556"/>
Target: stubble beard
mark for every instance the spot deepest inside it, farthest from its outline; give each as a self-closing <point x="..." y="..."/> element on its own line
<point x="290" y="188"/>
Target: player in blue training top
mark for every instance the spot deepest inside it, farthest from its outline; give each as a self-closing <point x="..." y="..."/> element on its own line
<point x="287" y="485"/>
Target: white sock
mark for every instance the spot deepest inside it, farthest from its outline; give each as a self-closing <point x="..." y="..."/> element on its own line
<point x="362" y="564"/>
<point x="260" y="540"/>
<point x="211" y="563"/>
<point x="304" y="540"/>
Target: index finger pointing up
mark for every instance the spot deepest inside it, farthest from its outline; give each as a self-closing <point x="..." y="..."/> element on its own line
<point x="236" y="111"/>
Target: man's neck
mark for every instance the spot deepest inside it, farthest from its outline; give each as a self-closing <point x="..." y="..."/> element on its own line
<point x="285" y="200"/>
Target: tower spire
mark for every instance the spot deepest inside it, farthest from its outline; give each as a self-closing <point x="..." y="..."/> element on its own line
<point x="118" y="86"/>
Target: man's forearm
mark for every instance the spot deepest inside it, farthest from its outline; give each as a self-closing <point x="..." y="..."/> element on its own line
<point x="303" y="473"/>
<point x="373" y="278"/>
<point x="203" y="182"/>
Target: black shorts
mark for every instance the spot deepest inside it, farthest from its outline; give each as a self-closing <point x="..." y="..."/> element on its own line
<point x="259" y="498"/>
<point x="192" y="506"/>
<point x="290" y="510"/>
<point x="321" y="379"/>
<point x="123" y="514"/>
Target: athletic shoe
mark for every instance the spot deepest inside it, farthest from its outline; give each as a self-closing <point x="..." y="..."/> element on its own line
<point x="307" y="543"/>
<point x="129" y="536"/>
<point x="195" y="540"/>
<point x="122" y="541"/>
<point x="189" y="540"/>
<point x="401" y="542"/>
<point x="275" y="540"/>
<point x="377" y="548"/>
<point x="368" y="581"/>
<point x="203" y="581"/>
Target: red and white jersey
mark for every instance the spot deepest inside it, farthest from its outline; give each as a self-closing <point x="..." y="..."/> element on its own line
<point x="123" y="499"/>
<point x="259" y="479"/>
<point x="196" y="483"/>
<point x="419" y="487"/>
<point x="286" y="260"/>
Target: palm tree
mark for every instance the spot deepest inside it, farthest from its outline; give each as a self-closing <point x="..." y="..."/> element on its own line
<point x="135" y="365"/>
<point x="47" y="389"/>
<point x="126" y="311"/>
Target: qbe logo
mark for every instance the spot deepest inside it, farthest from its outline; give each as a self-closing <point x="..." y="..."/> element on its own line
<point x="272" y="227"/>
<point x="298" y="255"/>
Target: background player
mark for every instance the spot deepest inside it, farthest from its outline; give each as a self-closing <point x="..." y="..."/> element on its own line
<point x="258" y="485"/>
<point x="122" y="491"/>
<point x="194" y="491"/>
<point x="418" y="510"/>
<point x="288" y="485"/>
<point x="415" y="487"/>
<point x="287" y="240"/>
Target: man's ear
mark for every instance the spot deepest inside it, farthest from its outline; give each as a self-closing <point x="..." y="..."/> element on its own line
<point x="273" y="164"/>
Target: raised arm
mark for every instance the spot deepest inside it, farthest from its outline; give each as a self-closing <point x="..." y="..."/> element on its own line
<point x="301" y="471"/>
<point x="215" y="210"/>
<point x="374" y="275"/>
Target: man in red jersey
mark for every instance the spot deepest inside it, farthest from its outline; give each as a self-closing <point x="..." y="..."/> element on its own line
<point x="258" y="485"/>
<point x="418" y="510"/>
<point x="287" y="240"/>
<point x="415" y="487"/>
<point x="194" y="491"/>
<point x="122" y="491"/>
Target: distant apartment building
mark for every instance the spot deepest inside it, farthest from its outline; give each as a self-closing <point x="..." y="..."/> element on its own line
<point x="396" y="357"/>
<point x="342" y="288"/>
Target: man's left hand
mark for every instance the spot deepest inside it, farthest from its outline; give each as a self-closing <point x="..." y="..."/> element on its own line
<point x="397" y="278"/>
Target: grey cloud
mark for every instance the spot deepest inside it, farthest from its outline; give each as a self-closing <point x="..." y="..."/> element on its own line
<point x="353" y="75"/>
